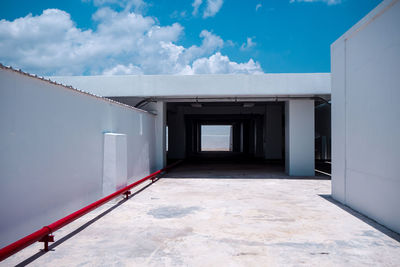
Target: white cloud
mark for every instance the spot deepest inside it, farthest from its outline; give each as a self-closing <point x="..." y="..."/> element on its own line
<point x="229" y="43"/>
<point x="258" y="6"/>
<point x="122" y="43"/>
<point x="196" y="4"/>
<point x="329" y="2"/>
<point x="178" y="14"/>
<point x="123" y="70"/>
<point x="209" y="44"/>
<point x="136" y="5"/>
<point x="249" y="44"/>
<point x="211" y="7"/>
<point x="219" y="64"/>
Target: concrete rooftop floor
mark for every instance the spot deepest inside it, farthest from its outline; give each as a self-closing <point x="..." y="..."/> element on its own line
<point x="221" y="222"/>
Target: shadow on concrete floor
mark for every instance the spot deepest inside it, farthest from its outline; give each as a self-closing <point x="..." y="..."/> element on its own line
<point x="235" y="170"/>
<point x="81" y="228"/>
<point x="371" y="222"/>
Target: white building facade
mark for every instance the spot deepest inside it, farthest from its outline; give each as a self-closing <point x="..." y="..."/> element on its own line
<point x="366" y="116"/>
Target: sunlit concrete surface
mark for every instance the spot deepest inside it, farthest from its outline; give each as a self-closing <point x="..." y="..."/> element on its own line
<point x="223" y="222"/>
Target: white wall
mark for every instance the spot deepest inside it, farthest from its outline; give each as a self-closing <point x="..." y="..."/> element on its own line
<point x="115" y="162"/>
<point x="366" y="116"/>
<point x="299" y="138"/>
<point x="51" y="150"/>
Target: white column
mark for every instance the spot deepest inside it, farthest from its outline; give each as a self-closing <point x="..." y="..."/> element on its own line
<point x="160" y="109"/>
<point x="299" y="138"/>
<point x="339" y="107"/>
<point x="115" y="163"/>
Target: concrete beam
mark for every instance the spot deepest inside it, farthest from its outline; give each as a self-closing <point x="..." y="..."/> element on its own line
<point x="232" y="85"/>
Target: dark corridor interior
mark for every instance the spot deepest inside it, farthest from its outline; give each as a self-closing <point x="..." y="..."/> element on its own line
<point x="226" y="131"/>
<point x="245" y="137"/>
<point x="238" y="133"/>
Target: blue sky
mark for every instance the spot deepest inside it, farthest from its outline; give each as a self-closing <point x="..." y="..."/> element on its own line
<point x="111" y="37"/>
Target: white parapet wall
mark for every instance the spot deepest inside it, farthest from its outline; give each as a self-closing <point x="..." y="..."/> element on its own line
<point x="52" y="150"/>
<point x="366" y="116"/>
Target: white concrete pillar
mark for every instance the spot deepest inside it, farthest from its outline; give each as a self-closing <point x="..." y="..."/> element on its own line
<point x="160" y="109"/>
<point x="339" y="110"/>
<point x="299" y="138"/>
<point x="114" y="163"/>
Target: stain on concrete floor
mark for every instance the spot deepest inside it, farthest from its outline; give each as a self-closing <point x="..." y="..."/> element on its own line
<point x="172" y="212"/>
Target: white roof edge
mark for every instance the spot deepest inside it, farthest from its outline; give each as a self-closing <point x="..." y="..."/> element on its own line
<point x="207" y="85"/>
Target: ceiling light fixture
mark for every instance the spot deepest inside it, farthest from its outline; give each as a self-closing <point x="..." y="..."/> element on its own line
<point x="248" y="105"/>
<point x="196" y="105"/>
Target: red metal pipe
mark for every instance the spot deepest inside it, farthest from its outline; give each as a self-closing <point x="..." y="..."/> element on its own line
<point x="47" y="230"/>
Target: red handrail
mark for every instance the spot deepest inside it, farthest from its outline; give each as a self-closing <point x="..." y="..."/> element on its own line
<point x="49" y="229"/>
